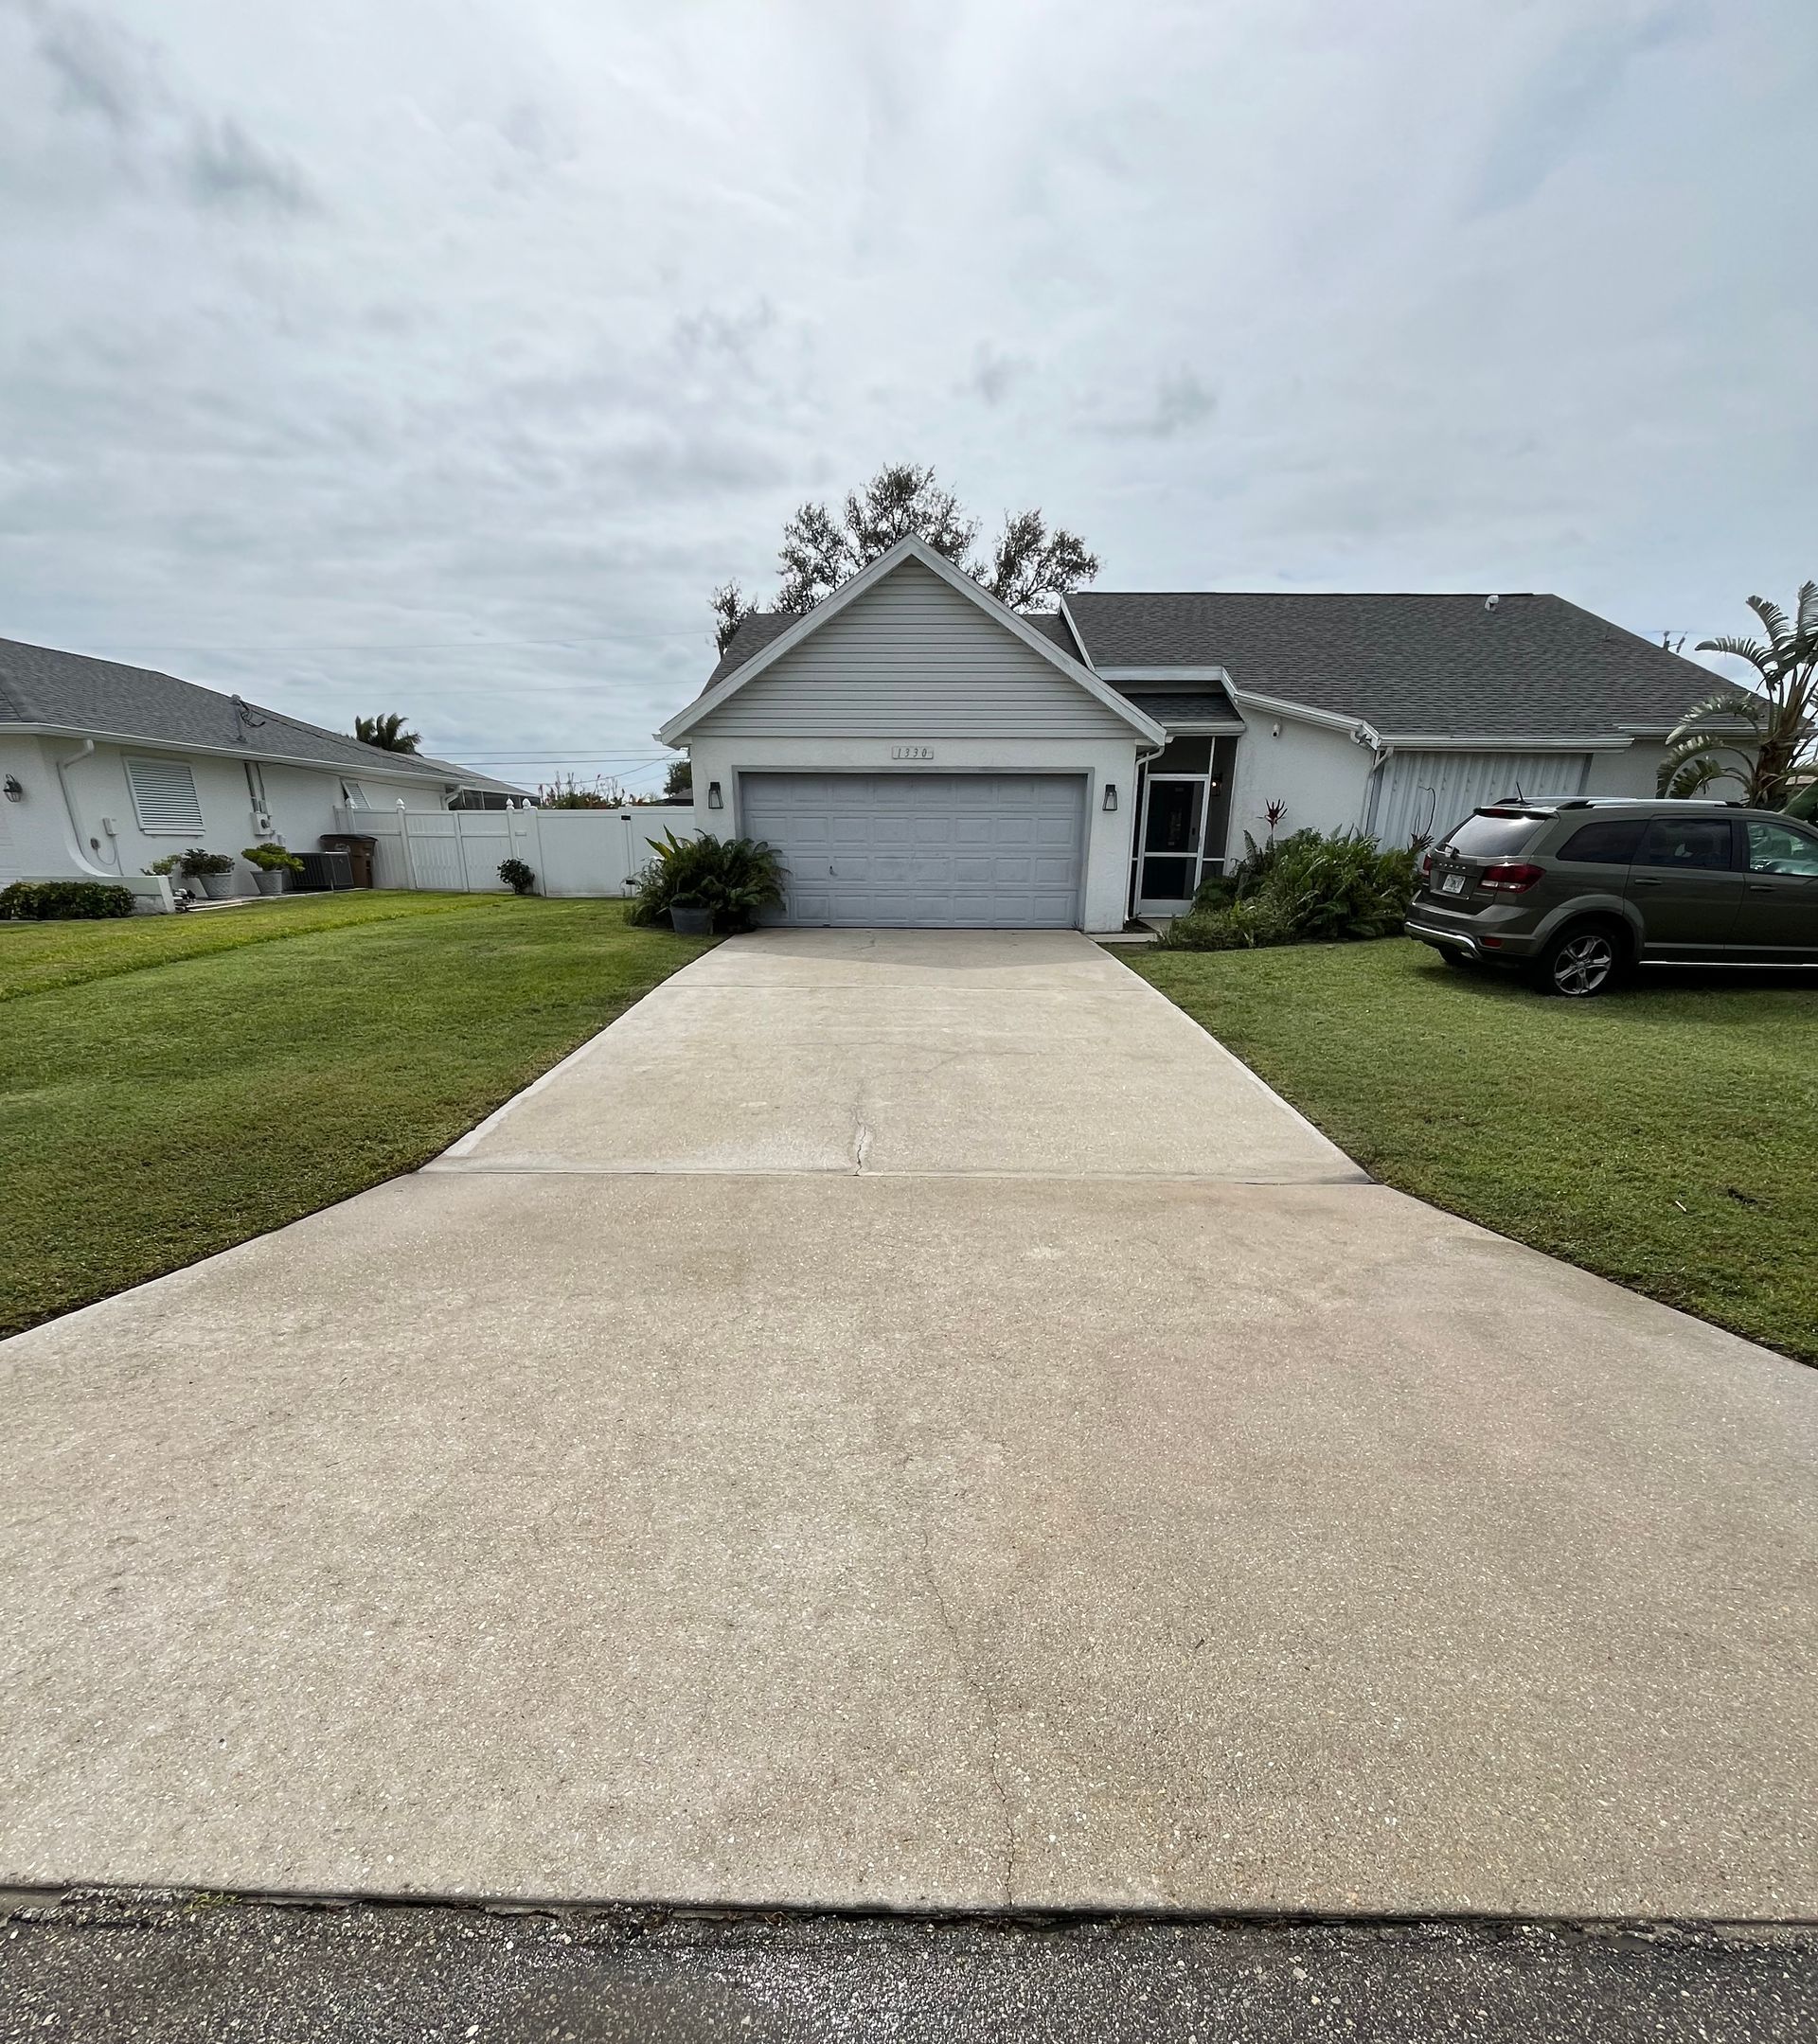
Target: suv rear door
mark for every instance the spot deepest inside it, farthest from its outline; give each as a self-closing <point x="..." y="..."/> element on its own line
<point x="1779" y="917"/>
<point x="1686" y="884"/>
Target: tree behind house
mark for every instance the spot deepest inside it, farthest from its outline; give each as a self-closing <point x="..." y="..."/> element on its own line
<point x="388" y="733"/>
<point x="1027" y="563"/>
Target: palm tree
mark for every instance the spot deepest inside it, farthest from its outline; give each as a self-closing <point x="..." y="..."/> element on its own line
<point x="1760" y="736"/>
<point x="388" y="733"/>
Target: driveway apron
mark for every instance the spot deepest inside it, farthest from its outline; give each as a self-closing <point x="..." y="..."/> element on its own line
<point x="907" y="1420"/>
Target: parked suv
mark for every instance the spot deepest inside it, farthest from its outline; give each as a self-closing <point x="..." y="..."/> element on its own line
<point x="1578" y="889"/>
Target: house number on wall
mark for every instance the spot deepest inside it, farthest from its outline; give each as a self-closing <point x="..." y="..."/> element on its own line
<point x="912" y="752"/>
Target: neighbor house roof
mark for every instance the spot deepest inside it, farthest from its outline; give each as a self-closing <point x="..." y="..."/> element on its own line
<point x="1530" y="665"/>
<point x="77" y="693"/>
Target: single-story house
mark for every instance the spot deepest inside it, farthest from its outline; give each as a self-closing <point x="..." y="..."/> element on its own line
<point x="923" y="756"/>
<point x="105" y="769"/>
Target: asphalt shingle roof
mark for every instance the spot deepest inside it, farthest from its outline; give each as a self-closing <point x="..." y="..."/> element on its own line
<point x="1534" y="666"/>
<point x="752" y="636"/>
<point x="1444" y="665"/>
<point x="76" y="692"/>
<point x="1182" y="707"/>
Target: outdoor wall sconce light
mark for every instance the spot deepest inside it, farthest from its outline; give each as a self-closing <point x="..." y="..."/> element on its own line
<point x="713" y="796"/>
<point x="1111" y="794"/>
<point x="14" y="788"/>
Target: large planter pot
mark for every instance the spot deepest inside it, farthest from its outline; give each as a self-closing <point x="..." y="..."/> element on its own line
<point x="691" y="922"/>
<point x="218" y="886"/>
<point x="269" y="884"/>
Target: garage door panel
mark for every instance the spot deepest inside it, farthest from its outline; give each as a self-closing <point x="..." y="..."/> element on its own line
<point x="898" y="850"/>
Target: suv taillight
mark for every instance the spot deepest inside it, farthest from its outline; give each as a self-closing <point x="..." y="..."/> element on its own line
<point x="1512" y="877"/>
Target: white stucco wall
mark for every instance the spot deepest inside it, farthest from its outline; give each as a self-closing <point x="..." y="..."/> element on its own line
<point x="1322" y="775"/>
<point x="1635" y="772"/>
<point x="39" y="842"/>
<point x="1099" y="760"/>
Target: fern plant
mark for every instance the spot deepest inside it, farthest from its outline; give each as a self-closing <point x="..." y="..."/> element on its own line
<point x="735" y="879"/>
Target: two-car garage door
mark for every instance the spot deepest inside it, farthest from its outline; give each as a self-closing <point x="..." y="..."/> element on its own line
<point x="991" y="851"/>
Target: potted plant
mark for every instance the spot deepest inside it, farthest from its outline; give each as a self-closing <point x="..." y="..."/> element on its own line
<point x="690" y="916"/>
<point x="520" y="877"/>
<point x="215" y="870"/>
<point x="270" y="864"/>
<point x="729" y="880"/>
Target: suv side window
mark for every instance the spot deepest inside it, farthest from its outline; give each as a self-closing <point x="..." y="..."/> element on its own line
<point x="1780" y="848"/>
<point x="1691" y="842"/>
<point x="1612" y="843"/>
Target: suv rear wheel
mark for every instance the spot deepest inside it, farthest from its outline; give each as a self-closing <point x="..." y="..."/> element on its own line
<point x="1584" y="959"/>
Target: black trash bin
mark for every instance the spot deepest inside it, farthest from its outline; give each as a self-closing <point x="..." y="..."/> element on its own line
<point x="323" y="872"/>
<point x="359" y="848"/>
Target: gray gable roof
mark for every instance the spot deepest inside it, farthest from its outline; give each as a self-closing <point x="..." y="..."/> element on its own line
<point x="75" y="692"/>
<point x="1534" y="664"/>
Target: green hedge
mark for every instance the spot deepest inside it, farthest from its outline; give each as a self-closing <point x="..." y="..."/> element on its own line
<point x="43" y="902"/>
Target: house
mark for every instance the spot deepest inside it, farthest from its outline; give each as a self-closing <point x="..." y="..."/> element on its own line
<point x="923" y="756"/>
<point x="105" y="769"/>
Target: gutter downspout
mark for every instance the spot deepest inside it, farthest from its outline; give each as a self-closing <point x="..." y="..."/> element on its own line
<point x="1379" y="753"/>
<point x="69" y="811"/>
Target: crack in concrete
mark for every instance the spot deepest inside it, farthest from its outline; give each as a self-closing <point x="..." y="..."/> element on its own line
<point x="988" y="1706"/>
<point x="860" y="1129"/>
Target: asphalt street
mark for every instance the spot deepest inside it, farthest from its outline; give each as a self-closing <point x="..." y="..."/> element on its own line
<point x="144" y="1969"/>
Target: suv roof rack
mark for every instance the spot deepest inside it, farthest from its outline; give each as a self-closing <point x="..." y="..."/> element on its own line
<point x="1553" y="805"/>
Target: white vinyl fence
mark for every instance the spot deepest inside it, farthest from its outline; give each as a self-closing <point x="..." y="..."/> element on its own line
<point x="571" y="851"/>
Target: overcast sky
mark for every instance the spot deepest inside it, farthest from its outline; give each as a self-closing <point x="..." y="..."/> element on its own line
<point x="440" y="355"/>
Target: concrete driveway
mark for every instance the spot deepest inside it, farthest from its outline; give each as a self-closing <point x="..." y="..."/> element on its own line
<point x="908" y="1420"/>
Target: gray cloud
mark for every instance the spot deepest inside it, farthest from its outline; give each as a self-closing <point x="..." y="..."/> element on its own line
<point x="98" y="70"/>
<point x="161" y="135"/>
<point x="1180" y="402"/>
<point x="996" y="373"/>
<point x="224" y="165"/>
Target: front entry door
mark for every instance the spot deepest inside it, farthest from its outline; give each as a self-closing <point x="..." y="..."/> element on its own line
<point x="1173" y="824"/>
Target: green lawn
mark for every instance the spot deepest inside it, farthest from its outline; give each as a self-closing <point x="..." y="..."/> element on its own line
<point x="171" y="1085"/>
<point x="1666" y="1135"/>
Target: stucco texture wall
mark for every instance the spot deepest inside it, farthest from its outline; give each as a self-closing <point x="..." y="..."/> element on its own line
<point x="47" y="836"/>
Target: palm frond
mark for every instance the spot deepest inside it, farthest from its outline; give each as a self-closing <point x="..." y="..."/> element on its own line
<point x="1771" y="614"/>
<point x="1691" y="774"/>
<point x="1752" y="650"/>
<point x="1727" y="705"/>
<point x="1806" y="618"/>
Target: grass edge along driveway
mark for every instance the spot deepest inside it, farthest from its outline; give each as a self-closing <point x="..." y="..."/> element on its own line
<point x="1660" y="1135"/>
<point x="171" y="1087"/>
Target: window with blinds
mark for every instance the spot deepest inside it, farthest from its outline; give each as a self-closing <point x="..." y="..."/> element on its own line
<point x="163" y="795"/>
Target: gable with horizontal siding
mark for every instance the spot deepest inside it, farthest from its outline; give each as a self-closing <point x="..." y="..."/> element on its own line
<point x="912" y="658"/>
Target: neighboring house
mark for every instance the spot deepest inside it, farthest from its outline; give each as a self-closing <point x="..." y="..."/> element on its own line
<point x="105" y="769"/>
<point x="924" y="757"/>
